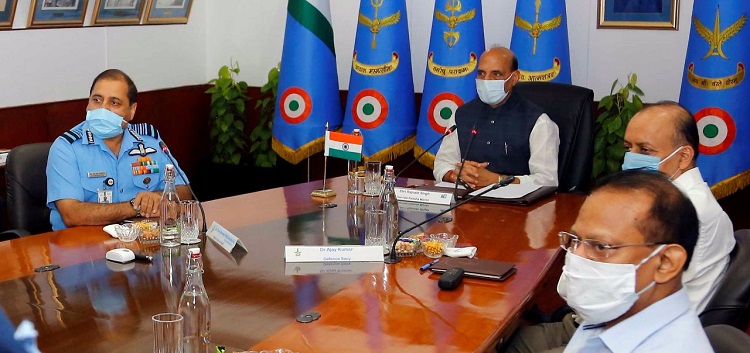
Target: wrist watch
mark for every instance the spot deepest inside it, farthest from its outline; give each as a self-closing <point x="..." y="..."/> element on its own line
<point x="137" y="209"/>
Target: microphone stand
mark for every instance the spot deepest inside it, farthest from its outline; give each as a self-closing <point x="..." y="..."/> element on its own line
<point x="446" y="133"/>
<point x="165" y="149"/>
<point x="393" y="258"/>
<point x="463" y="161"/>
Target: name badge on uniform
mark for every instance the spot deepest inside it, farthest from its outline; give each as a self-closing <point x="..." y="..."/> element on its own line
<point x="96" y="174"/>
<point x="104" y="196"/>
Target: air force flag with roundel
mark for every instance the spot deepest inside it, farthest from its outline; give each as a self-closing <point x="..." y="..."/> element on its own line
<point x="715" y="90"/>
<point x="456" y="42"/>
<point x="381" y="91"/>
<point x="540" y="41"/>
<point x="308" y="92"/>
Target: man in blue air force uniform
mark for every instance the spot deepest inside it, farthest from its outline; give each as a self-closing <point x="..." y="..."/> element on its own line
<point x="513" y="136"/>
<point x="105" y="170"/>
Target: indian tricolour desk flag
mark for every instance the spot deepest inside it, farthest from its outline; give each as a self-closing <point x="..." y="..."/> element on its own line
<point x="540" y="40"/>
<point x="716" y="91"/>
<point x="456" y="42"/>
<point x="344" y="146"/>
<point x="308" y="92"/>
<point x="381" y="91"/>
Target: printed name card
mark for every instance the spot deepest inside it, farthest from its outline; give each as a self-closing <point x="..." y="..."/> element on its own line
<point x="340" y="253"/>
<point x="334" y="267"/>
<point x="223" y="237"/>
<point x="422" y="195"/>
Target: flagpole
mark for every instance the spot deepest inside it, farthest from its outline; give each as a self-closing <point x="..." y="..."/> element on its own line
<point x="325" y="192"/>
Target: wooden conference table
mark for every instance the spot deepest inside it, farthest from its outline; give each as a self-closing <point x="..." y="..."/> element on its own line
<point x="91" y="305"/>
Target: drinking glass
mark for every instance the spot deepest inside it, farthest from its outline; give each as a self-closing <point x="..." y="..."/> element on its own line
<point x="373" y="181"/>
<point x="190" y="216"/>
<point x="375" y="222"/>
<point x="167" y="333"/>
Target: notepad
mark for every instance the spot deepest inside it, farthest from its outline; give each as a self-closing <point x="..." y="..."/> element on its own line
<point x="477" y="268"/>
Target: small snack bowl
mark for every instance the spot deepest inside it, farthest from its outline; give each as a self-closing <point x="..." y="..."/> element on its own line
<point x="407" y="247"/>
<point x="449" y="240"/>
<point x="149" y="231"/>
<point x="127" y="232"/>
<point x="433" y="248"/>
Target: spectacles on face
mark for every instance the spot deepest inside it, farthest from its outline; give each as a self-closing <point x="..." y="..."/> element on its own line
<point x="596" y="250"/>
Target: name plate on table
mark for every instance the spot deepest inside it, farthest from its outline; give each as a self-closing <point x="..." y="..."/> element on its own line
<point x="425" y="194"/>
<point x="341" y="253"/>
<point x="320" y="268"/>
<point x="223" y="237"/>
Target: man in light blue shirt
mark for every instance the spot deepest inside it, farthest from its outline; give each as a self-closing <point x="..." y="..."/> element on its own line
<point x="105" y="169"/>
<point x="632" y="239"/>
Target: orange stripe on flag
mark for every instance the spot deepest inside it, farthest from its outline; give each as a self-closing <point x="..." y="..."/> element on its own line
<point x="342" y="137"/>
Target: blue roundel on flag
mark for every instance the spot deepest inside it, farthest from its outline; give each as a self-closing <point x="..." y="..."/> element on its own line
<point x="295" y="105"/>
<point x="369" y="109"/>
<point x="442" y="111"/>
<point x="716" y="130"/>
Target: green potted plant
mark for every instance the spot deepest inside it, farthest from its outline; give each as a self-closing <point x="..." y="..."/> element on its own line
<point x="228" y="116"/>
<point x="260" y="138"/>
<point x="616" y="109"/>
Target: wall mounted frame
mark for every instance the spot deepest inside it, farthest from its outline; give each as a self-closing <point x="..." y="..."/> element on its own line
<point x="638" y="14"/>
<point x="118" y="12"/>
<point x="57" y="13"/>
<point x="7" y="11"/>
<point x="168" y="11"/>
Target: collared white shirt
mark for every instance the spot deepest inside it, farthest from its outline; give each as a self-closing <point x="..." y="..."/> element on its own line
<point x="544" y="143"/>
<point x="715" y="240"/>
<point x="666" y="326"/>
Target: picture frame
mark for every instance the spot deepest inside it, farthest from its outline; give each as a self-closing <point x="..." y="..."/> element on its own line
<point x="118" y="12"/>
<point x="57" y="13"/>
<point x="639" y="14"/>
<point x="168" y="11"/>
<point x="7" y="12"/>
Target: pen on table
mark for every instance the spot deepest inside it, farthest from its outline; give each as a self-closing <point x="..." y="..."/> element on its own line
<point x="426" y="266"/>
<point x="140" y="257"/>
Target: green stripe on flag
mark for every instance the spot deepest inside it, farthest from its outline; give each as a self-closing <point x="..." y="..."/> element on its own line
<point x="309" y="17"/>
<point x="352" y="156"/>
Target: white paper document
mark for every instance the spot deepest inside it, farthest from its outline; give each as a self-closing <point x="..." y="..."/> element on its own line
<point x="445" y="184"/>
<point x="510" y="191"/>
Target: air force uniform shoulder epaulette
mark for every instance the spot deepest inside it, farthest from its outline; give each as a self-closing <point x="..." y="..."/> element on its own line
<point x="72" y="135"/>
<point x="145" y="129"/>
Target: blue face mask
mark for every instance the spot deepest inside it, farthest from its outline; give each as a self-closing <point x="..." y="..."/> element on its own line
<point x="491" y="91"/>
<point x="645" y="162"/>
<point x="103" y="123"/>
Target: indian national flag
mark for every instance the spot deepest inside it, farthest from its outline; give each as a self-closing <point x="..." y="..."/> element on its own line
<point x="344" y="146"/>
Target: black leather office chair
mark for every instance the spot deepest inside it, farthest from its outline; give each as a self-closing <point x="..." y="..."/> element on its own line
<point x="572" y="109"/>
<point x="730" y="305"/>
<point x="26" y="178"/>
<point x="727" y="339"/>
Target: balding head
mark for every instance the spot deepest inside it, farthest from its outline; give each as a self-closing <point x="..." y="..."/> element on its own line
<point x="499" y="63"/>
<point x="661" y="129"/>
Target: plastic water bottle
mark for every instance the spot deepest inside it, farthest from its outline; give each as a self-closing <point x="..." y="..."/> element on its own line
<point x="356" y="176"/>
<point x="195" y="308"/>
<point x="389" y="204"/>
<point x="170" y="211"/>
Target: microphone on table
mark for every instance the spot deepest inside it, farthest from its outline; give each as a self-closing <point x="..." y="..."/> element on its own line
<point x="393" y="258"/>
<point x="165" y="149"/>
<point x="446" y="133"/>
<point x="463" y="160"/>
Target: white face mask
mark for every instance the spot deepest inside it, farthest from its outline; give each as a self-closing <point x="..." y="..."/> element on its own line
<point x="599" y="291"/>
<point x="491" y="91"/>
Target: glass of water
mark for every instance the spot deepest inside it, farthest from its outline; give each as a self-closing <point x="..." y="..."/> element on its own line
<point x="373" y="180"/>
<point x="190" y="220"/>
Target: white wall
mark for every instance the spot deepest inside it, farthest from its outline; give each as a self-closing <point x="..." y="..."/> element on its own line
<point x="45" y="65"/>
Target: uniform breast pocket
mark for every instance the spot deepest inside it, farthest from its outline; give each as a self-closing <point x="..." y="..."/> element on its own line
<point x="146" y="182"/>
<point x="90" y="188"/>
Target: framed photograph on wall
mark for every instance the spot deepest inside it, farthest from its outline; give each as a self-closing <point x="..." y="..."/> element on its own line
<point x="168" y="11"/>
<point x="639" y="14"/>
<point x="7" y="11"/>
<point x="118" y="12"/>
<point x="57" y="13"/>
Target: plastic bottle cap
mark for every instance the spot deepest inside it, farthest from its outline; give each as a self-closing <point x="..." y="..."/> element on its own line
<point x="194" y="252"/>
<point x="388" y="167"/>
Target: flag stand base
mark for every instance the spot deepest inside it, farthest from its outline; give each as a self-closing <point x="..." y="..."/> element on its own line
<point x="324" y="193"/>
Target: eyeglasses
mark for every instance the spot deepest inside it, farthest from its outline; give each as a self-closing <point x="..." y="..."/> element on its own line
<point x="594" y="248"/>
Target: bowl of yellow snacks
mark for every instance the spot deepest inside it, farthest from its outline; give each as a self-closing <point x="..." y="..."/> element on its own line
<point x="149" y="231"/>
<point x="433" y="248"/>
